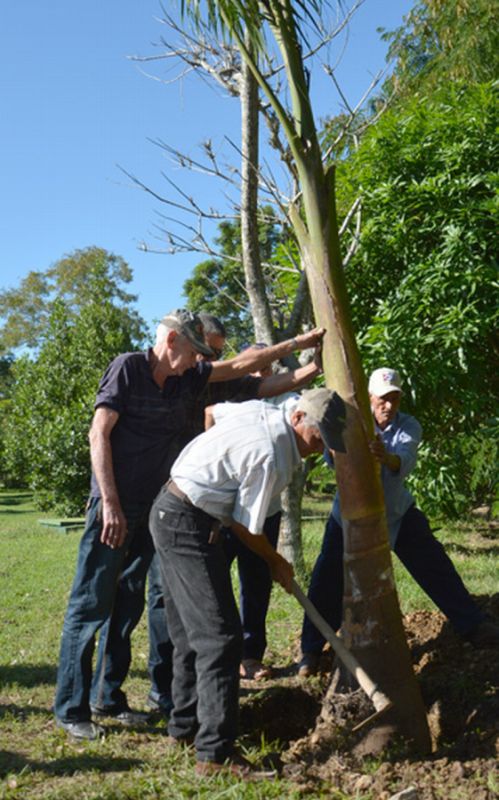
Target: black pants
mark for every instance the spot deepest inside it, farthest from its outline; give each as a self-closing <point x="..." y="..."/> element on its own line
<point x="204" y="627"/>
<point x="422" y="555"/>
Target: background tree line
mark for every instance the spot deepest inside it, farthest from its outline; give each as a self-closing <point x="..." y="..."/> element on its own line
<point x="421" y="279"/>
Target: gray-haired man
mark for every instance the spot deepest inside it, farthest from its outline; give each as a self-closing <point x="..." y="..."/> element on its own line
<point x="228" y="474"/>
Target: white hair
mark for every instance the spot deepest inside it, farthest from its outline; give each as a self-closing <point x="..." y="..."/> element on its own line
<point x="307" y="420"/>
<point x="162" y="332"/>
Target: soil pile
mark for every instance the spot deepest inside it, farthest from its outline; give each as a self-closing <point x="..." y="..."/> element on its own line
<point x="460" y="689"/>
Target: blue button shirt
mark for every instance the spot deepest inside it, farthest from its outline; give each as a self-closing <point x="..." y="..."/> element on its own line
<point x="401" y="437"/>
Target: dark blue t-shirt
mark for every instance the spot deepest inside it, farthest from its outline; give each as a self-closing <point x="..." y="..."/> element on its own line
<point x="150" y="418"/>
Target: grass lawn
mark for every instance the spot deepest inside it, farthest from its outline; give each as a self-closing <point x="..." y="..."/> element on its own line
<point x="37" y="761"/>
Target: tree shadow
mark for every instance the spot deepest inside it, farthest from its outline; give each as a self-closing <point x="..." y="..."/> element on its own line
<point x="86" y="762"/>
<point x="16" y="499"/>
<point x="28" y="675"/>
<point x="471" y="550"/>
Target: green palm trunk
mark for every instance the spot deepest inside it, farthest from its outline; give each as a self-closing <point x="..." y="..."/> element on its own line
<point x="372" y="619"/>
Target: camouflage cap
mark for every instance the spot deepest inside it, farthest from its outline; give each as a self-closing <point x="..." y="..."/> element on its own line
<point x="189" y="325"/>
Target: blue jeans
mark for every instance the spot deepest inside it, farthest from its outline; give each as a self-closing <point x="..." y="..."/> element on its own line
<point x="204" y="626"/>
<point x="255" y="586"/>
<point x="160" y="645"/>
<point x="94" y="596"/>
<point x="424" y="558"/>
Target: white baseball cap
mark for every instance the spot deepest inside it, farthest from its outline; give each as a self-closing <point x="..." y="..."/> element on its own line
<point x="383" y="381"/>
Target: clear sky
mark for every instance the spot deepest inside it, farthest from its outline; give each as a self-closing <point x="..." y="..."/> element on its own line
<point x="74" y="107"/>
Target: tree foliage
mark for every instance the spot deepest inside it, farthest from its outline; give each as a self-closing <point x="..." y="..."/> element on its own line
<point x="45" y="442"/>
<point x="217" y="285"/>
<point x="26" y="309"/>
<point x="423" y="282"/>
<point x="442" y="40"/>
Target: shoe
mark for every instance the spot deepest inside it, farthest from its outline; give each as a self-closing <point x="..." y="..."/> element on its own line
<point x="125" y="717"/>
<point x="81" y="730"/>
<point x="161" y="705"/>
<point x="309" y="665"/>
<point x="237" y="766"/>
<point x="485" y="634"/>
<point x="251" y="669"/>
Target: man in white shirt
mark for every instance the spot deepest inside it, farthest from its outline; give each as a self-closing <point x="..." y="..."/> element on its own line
<point x="228" y="474"/>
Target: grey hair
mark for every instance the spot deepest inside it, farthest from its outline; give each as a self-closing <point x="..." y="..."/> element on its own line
<point x="162" y="332"/>
<point x="307" y="420"/>
<point x="212" y="324"/>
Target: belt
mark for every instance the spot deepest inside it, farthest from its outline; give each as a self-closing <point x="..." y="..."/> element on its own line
<point x="172" y="487"/>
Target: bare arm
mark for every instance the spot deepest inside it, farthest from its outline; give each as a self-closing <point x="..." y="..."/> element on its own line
<point x="252" y="360"/>
<point x="209" y="417"/>
<point x="114" y="525"/>
<point x="280" y="569"/>
<point x="289" y="381"/>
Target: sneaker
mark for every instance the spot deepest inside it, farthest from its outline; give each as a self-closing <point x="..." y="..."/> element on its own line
<point x="237" y="766"/>
<point x="125" y="717"/>
<point x="485" y="634"/>
<point x="162" y="705"/>
<point x="81" y="730"/>
<point x="309" y="665"/>
<point x="251" y="669"/>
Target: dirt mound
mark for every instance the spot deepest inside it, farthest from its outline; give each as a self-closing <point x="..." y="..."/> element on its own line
<point x="460" y="691"/>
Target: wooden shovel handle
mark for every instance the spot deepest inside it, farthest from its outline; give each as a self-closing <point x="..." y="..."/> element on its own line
<point x="379" y="700"/>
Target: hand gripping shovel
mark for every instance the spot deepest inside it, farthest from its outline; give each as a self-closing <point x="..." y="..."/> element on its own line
<point x="379" y="700"/>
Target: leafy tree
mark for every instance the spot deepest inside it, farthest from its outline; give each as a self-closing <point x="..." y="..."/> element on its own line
<point x="423" y="281"/>
<point x="46" y="436"/>
<point x="27" y="308"/>
<point x="445" y="40"/>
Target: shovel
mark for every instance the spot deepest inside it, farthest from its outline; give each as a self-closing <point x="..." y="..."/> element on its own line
<point x="379" y="700"/>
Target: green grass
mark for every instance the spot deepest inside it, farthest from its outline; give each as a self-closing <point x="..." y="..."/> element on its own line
<point x="37" y="761"/>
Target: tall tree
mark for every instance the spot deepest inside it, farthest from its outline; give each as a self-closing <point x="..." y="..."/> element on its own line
<point x="26" y="309"/>
<point x="423" y="281"/>
<point x="45" y="441"/>
<point x="445" y="40"/>
<point x="374" y="624"/>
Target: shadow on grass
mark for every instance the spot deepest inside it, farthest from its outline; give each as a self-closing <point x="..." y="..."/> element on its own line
<point x="14" y="763"/>
<point x="471" y="550"/>
<point x="16" y="499"/>
<point x="27" y="675"/>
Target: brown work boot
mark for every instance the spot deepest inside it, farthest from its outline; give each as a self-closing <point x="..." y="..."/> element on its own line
<point x="237" y="766"/>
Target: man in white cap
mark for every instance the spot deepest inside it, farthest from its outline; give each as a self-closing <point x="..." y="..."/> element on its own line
<point x="229" y="474"/>
<point x="395" y="447"/>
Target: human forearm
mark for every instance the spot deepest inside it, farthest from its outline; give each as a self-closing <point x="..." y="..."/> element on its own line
<point x="253" y="360"/>
<point x="288" y="381"/>
<point x="280" y="569"/>
<point x="114" y="524"/>
<point x="102" y="464"/>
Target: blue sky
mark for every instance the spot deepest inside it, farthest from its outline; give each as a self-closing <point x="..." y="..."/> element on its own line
<point x="74" y="107"/>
